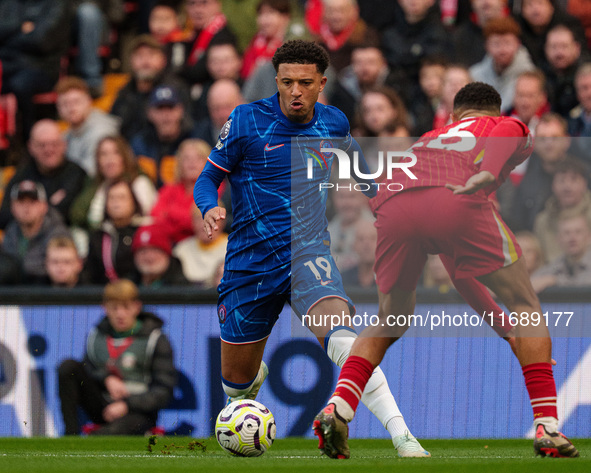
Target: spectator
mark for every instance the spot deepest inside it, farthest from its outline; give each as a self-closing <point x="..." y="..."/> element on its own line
<point x="148" y="70"/>
<point x="34" y="224"/>
<point x="273" y="18"/>
<point x="469" y="41"/>
<point x="563" y="56"/>
<point x="580" y="9"/>
<point x="531" y="250"/>
<point x="174" y="206"/>
<point x="164" y="22"/>
<point x="341" y="29"/>
<point x="570" y="196"/>
<point x="368" y="70"/>
<point x="536" y="19"/>
<point x="416" y="33"/>
<point x="350" y="207"/>
<point x="61" y="178"/>
<point x="505" y="58"/>
<point x="156" y="144"/>
<point x="114" y="161"/>
<point x="87" y="124"/>
<point x="573" y="267"/>
<point x="454" y="78"/>
<point x="89" y="29"/>
<point x="64" y="265"/>
<point x="223" y="97"/>
<point x="379" y="109"/>
<point x="201" y="255"/>
<point x="223" y="62"/>
<point x="364" y="247"/>
<point x="550" y="148"/>
<point x="530" y="101"/>
<point x="579" y="121"/>
<point x="209" y="27"/>
<point x="154" y="263"/>
<point x="34" y="37"/>
<point x="109" y="249"/>
<point x="425" y="98"/>
<point x="128" y="371"/>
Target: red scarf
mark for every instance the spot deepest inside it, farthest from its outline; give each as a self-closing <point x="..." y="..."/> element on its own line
<point x="333" y="41"/>
<point x="204" y="38"/>
<point x="260" y="49"/>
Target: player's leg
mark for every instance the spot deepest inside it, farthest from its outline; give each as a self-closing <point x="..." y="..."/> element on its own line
<point x="243" y="369"/>
<point x="534" y="351"/>
<point x="366" y="353"/>
<point x="337" y="341"/>
<point x="248" y="308"/>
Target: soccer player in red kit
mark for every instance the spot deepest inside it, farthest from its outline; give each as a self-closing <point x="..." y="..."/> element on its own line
<point x="446" y="211"/>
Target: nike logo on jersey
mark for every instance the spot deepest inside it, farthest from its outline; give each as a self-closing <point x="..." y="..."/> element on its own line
<point x="271" y="148"/>
<point x="324" y="283"/>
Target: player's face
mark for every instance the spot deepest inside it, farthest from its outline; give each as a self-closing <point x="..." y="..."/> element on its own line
<point x="299" y="86"/>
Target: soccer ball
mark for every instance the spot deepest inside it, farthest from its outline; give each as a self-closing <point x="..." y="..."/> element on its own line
<point x="245" y="428"/>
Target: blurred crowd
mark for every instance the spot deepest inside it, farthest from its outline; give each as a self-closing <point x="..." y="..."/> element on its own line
<point x="97" y="181"/>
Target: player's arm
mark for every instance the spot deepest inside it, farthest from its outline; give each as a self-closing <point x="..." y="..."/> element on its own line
<point x="222" y="159"/>
<point x="205" y="194"/>
<point x="505" y="139"/>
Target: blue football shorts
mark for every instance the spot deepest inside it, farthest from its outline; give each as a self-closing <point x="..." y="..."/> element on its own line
<point x="250" y="302"/>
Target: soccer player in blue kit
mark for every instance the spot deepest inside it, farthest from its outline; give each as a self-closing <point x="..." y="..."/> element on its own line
<point x="279" y="249"/>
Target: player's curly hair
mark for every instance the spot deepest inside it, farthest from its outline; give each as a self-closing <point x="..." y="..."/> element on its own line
<point x="478" y="96"/>
<point x="298" y="51"/>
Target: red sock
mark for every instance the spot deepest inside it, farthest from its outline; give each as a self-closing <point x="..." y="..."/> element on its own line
<point x="541" y="387"/>
<point x="352" y="380"/>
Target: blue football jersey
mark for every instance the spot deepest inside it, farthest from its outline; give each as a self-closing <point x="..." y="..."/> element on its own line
<point x="275" y="168"/>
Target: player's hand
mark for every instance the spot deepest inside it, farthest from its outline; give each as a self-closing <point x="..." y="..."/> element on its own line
<point x="115" y="410"/>
<point x="116" y="387"/>
<point x="210" y="221"/>
<point x="474" y="184"/>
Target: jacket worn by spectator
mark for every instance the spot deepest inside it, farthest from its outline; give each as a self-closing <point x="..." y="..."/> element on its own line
<point x="146" y="366"/>
<point x="68" y="179"/>
<point x="31" y="252"/>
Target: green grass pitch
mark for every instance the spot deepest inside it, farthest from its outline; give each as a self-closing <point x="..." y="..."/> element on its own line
<point x="183" y="454"/>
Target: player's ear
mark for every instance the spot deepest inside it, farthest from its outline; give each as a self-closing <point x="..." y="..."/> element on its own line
<point x="323" y="83"/>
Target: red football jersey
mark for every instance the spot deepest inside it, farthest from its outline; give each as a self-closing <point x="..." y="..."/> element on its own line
<point x="452" y="154"/>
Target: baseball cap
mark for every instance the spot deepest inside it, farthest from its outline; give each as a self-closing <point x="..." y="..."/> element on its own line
<point x="31" y="189"/>
<point x="164" y="95"/>
<point x="151" y="236"/>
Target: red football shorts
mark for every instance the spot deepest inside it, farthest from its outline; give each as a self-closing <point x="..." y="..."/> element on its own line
<point x="432" y="220"/>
